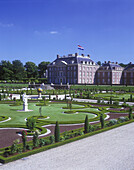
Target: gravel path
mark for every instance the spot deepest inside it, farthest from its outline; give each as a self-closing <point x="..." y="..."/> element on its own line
<point x="111" y="150"/>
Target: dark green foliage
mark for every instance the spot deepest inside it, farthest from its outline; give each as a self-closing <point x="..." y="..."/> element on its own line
<point x="70" y="105"/>
<point x="28" y="147"/>
<point x="42" y="68"/>
<point x="31" y="123"/>
<point x="14" y="148"/>
<point x="110" y="100"/>
<point x="131" y="98"/>
<point x="35" y="139"/>
<point x="102" y="120"/>
<point x="130" y="116"/>
<point x="86" y="125"/>
<point x="52" y="139"/>
<point x="24" y="139"/>
<point x="57" y="132"/>
<point x="41" y="142"/>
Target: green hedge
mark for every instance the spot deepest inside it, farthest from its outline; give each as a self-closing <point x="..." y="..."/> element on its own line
<point x="44" y="148"/>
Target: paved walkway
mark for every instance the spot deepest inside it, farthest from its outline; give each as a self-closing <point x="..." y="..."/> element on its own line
<point x="111" y="150"/>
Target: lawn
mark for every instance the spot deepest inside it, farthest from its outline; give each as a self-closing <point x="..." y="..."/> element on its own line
<point x="114" y="96"/>
<point x="54" y="111"/>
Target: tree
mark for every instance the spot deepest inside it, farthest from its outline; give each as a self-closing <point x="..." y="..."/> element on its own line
<point x="42" y="67"/>
<point x="123" y="65"/>
<point x="31" y="70"/>
<point x="70" y="105"/>
<point x="18" y="70"/>
<point x="110" y="100"/>
<point x="99" y="63"/>
<point x="57" y="132"/>
<point x="35" y="139"/>
<point x="131" y="98"/>
<point x="86" y="125"/>
<point x="31" y="123"/>
<point x="24" y="139"/>
<point x="6" y="72"/>
<point x="130" y="116"/>
<point x="102" y="120"/>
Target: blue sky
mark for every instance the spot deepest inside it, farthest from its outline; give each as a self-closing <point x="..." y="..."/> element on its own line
<point x="38" y="30"/>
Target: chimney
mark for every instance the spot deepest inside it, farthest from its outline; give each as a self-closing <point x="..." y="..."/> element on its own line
<point x="82" y="55"/>
<point x="88" y="55"/>
<point x="58" y="56"/>
<point x="76" y="54"/>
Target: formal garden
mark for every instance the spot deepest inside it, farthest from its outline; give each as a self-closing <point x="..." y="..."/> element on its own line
<point x="39" y="127"/>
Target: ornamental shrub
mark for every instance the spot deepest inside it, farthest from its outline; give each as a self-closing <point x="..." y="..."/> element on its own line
<point x="121" y="119"/>
<point x="112" y="122"/>
<point x="47" y="142"/>
<point x="57" y="132"/>
<point x="41" y="142"/>
<point x="110" y="100"/>
<point x="86" y="125"/>
<point x="28" y="147"/>
<point x="31" y="123"/>
<point x="24" y="139"/>
<point x="102" y="120"/>
<point x="35" y="139"/>
<point x="52" y="139"/>
<point x="62" y="138"/>
<point x="130" y="116"/>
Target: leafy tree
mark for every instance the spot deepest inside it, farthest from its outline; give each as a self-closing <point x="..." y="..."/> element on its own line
<point x="18" y="70"/>
<point x="31" y="70"/>
<point x="31" y="123"/>
<point x="57" y="132"/>
<point x="99" y="63"/>
<point x="102" y="120"/>
<point x="42" y="67"/>
<point x="6" y="72"/>
<point x="86" y="125"/>
<point x="123" y="65"/>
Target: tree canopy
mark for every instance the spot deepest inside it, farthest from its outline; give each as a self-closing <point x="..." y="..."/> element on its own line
<point x="15" y="70"/>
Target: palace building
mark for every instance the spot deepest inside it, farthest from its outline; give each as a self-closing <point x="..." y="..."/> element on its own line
<point x="128" y="75"/>
<point x="72" y="69"/>
<point x="81" y="69"/>
<point x="109" y="73"/>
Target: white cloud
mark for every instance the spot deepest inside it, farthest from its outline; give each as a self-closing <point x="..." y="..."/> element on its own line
<point x="44" y="33"/>
<point x="6" y="25"/>
<point x="53" y="32"/>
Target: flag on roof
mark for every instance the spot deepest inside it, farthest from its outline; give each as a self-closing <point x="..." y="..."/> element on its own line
<point x="80" y="47"/>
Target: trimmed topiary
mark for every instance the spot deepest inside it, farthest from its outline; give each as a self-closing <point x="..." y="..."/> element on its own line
<point x="86" y="125"/>
<point x="130" y="116"/>
<point x="102" y="120"/>
<point x="57" y="132"/>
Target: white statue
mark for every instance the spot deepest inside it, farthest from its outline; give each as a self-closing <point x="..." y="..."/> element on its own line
<point x="25" y="104"/>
